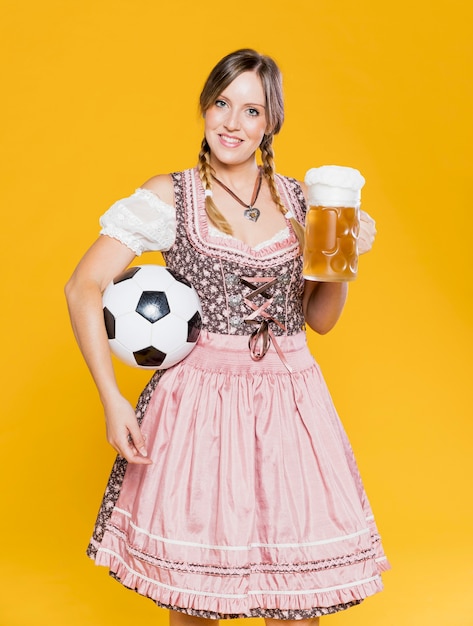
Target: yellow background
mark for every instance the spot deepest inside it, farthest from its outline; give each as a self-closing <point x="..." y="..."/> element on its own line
<point x="98" y="95"/>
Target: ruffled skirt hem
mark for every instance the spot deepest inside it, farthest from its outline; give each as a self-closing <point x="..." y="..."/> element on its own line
<point x="287" y="606"/>
<point x="274" y="613"/>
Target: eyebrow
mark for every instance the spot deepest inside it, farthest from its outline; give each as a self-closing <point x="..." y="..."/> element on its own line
<point x="247" y="104"/>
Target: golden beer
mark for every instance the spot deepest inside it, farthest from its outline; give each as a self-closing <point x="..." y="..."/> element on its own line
<point x="332" y="223"/>
<point x="331" y="250"/>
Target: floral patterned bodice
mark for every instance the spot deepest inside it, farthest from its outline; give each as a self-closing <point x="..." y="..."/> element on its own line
<point x="234" y="281"/>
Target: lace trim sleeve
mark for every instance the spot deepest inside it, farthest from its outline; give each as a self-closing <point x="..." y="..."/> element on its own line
<point x="143" y="222"/>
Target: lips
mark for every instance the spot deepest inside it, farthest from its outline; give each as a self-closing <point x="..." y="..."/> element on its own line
<point x="229" y="141"/>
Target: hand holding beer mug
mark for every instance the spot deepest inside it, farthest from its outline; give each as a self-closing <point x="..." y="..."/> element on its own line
<point x="332" y="223"/>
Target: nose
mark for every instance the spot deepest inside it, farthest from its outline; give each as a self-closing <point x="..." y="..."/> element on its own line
<point x="232" y="120"/>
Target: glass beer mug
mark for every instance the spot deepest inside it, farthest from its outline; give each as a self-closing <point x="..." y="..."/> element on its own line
<point x="332" y="223"/>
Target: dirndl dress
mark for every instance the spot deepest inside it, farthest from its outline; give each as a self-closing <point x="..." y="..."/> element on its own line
<point x="253" y="505"/>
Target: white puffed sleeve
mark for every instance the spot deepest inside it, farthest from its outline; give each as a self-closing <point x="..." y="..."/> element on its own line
<point x="143" y="222"/>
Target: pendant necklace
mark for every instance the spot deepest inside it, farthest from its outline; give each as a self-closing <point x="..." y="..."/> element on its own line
<point x="251" y="212"/>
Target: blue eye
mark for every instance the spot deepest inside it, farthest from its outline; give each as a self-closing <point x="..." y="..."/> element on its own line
<point x="220" y="103"/>
<point x="253" y="112"/>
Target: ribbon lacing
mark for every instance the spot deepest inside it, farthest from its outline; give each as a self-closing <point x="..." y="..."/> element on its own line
<point x="261" y="338"/>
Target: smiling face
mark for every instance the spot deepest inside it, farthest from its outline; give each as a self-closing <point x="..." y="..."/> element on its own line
<point x="236" y="121"/>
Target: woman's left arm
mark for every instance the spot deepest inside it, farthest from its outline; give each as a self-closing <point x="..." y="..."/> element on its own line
<point x="323" y="304"/>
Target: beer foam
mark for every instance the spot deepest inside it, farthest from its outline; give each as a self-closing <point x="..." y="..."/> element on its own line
<point x="334" y="185"/>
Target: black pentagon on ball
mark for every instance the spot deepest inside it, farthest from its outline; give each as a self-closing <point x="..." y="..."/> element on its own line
<point x="153" y="306"/>
<point x="179" y="277"/>
<point x="126" y="275"/>
<point x="193" y="327"/>
<point x="109" y="319"/>
<point x="149" y="357"/>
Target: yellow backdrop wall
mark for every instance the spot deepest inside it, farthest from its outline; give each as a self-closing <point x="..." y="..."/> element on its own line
<point x="97" y="96"/>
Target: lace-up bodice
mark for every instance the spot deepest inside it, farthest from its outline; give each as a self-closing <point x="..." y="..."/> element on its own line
<point x="226" y="272"/>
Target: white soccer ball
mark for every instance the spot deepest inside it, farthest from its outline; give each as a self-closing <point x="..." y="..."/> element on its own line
<point x="153" y="316"/>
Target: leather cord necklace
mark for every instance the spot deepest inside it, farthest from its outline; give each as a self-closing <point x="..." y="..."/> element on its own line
<point x="251" y="212"/>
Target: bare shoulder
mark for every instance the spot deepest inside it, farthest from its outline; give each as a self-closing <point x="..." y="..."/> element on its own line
<point x="162" y="186"/>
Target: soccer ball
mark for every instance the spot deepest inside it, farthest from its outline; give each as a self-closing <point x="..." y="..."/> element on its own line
<point x="152" y="316"/>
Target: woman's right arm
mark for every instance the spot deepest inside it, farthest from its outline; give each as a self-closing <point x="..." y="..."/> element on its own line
<point x="105" y="259"/>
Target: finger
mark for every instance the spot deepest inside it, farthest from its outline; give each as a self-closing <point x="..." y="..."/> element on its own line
<point x="138" y="440"/>
<point x="133" y="456"/>
<point x="138" y="459"/>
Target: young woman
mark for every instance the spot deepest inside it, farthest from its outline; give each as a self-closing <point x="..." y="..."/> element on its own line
<point x="235" y="492"/>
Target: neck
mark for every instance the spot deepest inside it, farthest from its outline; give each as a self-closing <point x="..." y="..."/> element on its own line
<point x="235" y="175"/>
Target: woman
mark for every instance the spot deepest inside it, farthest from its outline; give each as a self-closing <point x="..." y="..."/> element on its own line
<point x="235" y="492"/>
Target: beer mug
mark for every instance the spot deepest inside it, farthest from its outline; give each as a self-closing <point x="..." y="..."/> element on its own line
<point x="332" y="223"/>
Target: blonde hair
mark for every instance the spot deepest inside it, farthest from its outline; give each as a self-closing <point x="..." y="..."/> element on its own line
<point x="225" y="72"/>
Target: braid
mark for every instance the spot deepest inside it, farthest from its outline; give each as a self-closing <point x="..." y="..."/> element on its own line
<point x="205" y="173"/>
<point x="269" y="172"/>
<point x="267" y="158"/>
